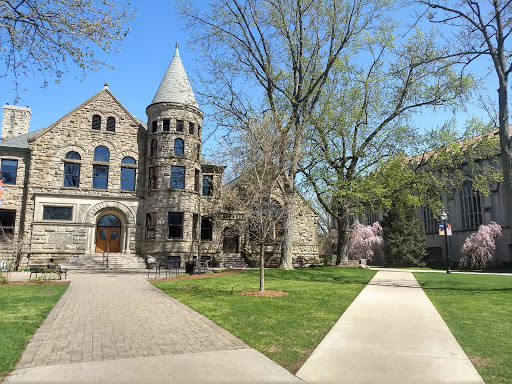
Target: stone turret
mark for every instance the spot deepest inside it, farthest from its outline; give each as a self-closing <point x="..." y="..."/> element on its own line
<point x="173" y="167"/>
<point x="16" y="121"/>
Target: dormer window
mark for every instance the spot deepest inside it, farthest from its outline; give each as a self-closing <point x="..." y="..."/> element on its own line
<point x="111" y="124"/>
<point x="96" y="122"/>
<point x="166" y="125"/>
<point x="179" y="125"/>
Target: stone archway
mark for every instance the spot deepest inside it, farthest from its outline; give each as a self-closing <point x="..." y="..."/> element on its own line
<point x="108" y="234"/>
<point x="126" y="228"/>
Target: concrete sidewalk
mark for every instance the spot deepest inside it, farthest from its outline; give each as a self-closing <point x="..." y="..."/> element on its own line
<point x="391" y="333"/>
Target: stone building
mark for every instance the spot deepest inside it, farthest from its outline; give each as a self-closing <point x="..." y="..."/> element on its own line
<point x="99" y="181"/>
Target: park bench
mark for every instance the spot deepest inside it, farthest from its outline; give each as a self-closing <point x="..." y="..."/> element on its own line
<point x="35" y="269"/>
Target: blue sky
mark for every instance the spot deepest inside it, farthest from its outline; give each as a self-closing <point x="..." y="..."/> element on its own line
<point x="139" y="68"/>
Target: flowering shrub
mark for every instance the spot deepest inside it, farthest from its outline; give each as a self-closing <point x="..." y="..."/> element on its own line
<point x="364" y="241"/>
<point x="479" y="248"/>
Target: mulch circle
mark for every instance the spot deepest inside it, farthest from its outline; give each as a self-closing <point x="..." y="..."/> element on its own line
<point x="264" y="293"/>
<point x="37" y="283"/>
<point x="193" y="277"/>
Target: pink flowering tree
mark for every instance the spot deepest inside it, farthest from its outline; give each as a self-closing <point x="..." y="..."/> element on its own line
<point x="364" y="241"/>
<point x="480" y="247"/>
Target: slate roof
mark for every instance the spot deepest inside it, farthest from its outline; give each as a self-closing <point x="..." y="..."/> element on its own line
<point x="19" y="142"/>
<point x="175" y="87"/>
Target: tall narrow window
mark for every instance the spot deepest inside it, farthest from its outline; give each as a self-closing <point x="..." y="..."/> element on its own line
<point x="196" y="180"/>
<point x="7" y="219"/>
<point x="150" y="225"/>
<point x="153" y="178"/>
<point x="198" y="151"/>
<point x="96" y="122"/>
<point x="175" y="224"/>
<point x="166" y="125"/>
<point x="430" y="223"/>
<point x="179" y="147"/>
<point x="191" y="127"/>
<point x="128" y="174"/>
<point x="206" y="228"/>
<point x="470" y="208"/>
<point x="152" y="151"/>
<point x="179" y="125"/>
<point x="9" y="171"/>
<point x="100" y="176"/>
<point x="195" y="222"/>
<point x="207" y="185"/>
<point x="177" y="177"/>
<point x="72" y="170"/>
<point x="154" y="126"/>
<point x="111" y="124"/>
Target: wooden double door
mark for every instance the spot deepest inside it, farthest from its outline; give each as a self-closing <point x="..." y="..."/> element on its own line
<point x="108" y="239"/>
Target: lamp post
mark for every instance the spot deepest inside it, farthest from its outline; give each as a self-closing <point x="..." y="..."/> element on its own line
<point x="444" y="216"/>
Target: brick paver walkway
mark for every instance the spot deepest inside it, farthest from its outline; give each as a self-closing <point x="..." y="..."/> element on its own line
<point x="120" y="316"/>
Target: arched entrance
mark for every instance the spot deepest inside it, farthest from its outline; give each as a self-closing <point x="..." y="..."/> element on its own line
<point x="230" y="240"/>
<point x="108" y="234"/>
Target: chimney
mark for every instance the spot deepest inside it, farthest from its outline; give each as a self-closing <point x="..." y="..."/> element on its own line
<point x="16" y="121"/>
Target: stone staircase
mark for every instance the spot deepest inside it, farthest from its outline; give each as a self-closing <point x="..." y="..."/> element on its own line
<point x="233" y="260"/>
<point x="117" y="261"/>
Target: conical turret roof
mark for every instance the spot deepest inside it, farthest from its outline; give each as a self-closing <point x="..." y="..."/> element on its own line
<point x="175" y="87"/>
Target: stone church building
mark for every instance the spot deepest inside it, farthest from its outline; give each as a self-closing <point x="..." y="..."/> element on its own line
<point x="100" y="181"/>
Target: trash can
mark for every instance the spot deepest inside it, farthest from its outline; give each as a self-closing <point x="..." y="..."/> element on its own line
<point x="189" y="267"/>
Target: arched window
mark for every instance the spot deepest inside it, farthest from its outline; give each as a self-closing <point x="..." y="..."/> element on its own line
<point x="96" y="122"/>
<point x="152" y="151"/>
<point x="72" y="170"/>
<point x="128" y="173"/>
<point x="109" y="221"/>
<point x="179" y="147"/>
<point x="100" y="172"/>
<point x="102" y="154"/>
<point x="470" y="208"/>
<point x="111" y="124"/>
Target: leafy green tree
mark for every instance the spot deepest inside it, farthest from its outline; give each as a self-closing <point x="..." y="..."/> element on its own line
<point x="365" y="119"/>
<point x="274" y="58"/>
<point x="45" y="36"/>
<point x="405" y="241"/>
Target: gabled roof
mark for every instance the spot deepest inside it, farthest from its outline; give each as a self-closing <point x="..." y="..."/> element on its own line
<point x="19" y="143"/>
<point x="41" y="132"/>
<point x="175" y="87"/>
<point x="207" y="163"/>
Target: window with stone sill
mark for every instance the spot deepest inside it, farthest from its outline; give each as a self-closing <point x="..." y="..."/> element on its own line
<point x="100" y="176"/>
<point x="196" y="180"/>
<point x="207" y="185"/>
<point x="179" y="147"/>
<point x="150" y="225"/>
<point x="111" y="124"/>
<point x="9" y="171"/>
<point x="7" y="220"/>
<point x="191" y="128"/>
<point x="57" y="213"/>
<point x="166" y="125"/>
<point x="96" y="122"/>
<point x="72" y="169"/>
<point x="154" y="145"/>
<point x="177" y="177"/>
<point x="128" y="174"/>
<point x="175" y="225"/>
<point x="154" y="126"/>
<point x="206" y="228"/>
<point x="179" y="125"/>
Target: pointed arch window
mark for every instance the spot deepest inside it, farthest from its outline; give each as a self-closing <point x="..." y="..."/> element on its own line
<point x="179" y="147"/>
<point x="111" y="124"/>
<point x="72" y="169"/>
<point x="128" y="173"/>
<point x="154" y="144"/>
<point x="470" y="207"/>
<point x="96" y="122"/>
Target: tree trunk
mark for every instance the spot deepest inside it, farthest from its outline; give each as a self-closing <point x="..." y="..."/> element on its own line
<point x="343" y="240"/>
<point x="505" y="146"/>
<point x="262" y="267"/>
<point x="287" y="244"/>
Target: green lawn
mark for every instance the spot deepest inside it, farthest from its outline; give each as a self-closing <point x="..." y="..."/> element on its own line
<point x="286" y="329"/>
<point x="478" y="311"/>
<point x="22" y="310"/>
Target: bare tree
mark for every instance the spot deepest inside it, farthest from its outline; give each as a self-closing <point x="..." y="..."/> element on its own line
<point x="256" y="192"/>
<point x="481" y="29"/>
<point x="42" y="37"/>
<point x="273" y="57"/>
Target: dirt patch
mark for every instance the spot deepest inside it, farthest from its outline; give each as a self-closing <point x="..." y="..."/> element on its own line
<point x="273" y="349"/>
<point x="37" y="283"/>
<point x="264" y="293"/>
<point x="193" y="277"/>
<point x="480" y="362"/>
